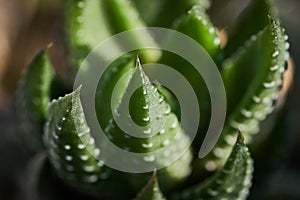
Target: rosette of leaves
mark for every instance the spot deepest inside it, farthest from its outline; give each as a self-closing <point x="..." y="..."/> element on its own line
<point x="251" y="64"/>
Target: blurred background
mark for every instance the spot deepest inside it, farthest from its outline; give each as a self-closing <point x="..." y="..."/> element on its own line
<point x="26" y="26"/>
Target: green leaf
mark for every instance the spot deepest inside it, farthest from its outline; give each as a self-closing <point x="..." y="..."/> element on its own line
<point x="251" y="21"/>
<point x="171" y="99"/>
<point x="33" y="96"/>
<point x="71" y="147"/>
<point x="121" y="16"/>
<point x="261" y="64"/>
<point x="198" y="26"/>
<point x="161" y="13"/>
<point x="198" y="84"/>
<point x="107" y="84"/>
<point x="151" y="191"/>
<point x="148" y="109"/>
<point x="82" y="19"/>
<point x="233" y="181"/>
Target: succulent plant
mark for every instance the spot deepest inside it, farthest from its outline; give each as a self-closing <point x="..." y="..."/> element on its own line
<point x="251" y="64"/>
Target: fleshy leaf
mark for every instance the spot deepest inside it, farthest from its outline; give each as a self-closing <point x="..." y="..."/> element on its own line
<point x="170" y="99"/>
<point x="33" y="97"/>
<point x="260" y="64"/>
<point x="161" y="13"/>
<point x="148" y="109"/>
<point x="81" y="21"/>
<point x="198" y="84"/>
<point x="197" y="25"/>
<point x="107" y="84"/>
<point x="233" y="181"/>
<point x="264" y="56"/>
<point x="122" y="15"/>
<point x="72" y="150"/>
<point x="151" y="191"/>
<point x="251" y="21"/>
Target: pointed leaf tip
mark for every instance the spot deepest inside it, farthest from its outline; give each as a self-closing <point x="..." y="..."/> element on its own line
<point x="151" y="191"/>
<point x="71" y="147"/>
<point x="138" y="62"/>
<point x="33" y="96"/>
<point x="233" y="181"/>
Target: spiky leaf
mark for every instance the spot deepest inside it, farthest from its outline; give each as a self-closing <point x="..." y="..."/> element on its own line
<point x="159" y="126"/>
<point x="33" y="97"/>
<point x="81" y="21"/>
<point x="260" y="64"/>
<point x="161" y="13"/>
<point x="107" y="84"/>
<point x="197" y="25"/>
<point x="231" y="182"/>
<point x="251" y="21"/>
<point x="151" y="191"/>
<point x="121" y="16"/>
<point x="72" y="150"/>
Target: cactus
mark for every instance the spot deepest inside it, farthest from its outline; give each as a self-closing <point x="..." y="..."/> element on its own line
<point x="251" y="65"/>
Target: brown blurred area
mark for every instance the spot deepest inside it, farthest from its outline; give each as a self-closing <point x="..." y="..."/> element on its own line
<point x="25" y="28"/>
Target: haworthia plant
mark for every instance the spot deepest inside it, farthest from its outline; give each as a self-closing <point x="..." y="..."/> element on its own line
<point x="71" y="147"/>
<point x="107" y="84"/>
<point x="121" y="16"/>
<point x="148" y="108"/>
<point x="80" y="31"/>
<point x="151" y="190"/>
<point x="198" y="26"/>
<point x="252" y="20"/>
<point x="33" y="97"/>
<point x="251" y="65"/>
<point x="231" y="182"/>
<point x="251" y="103"/>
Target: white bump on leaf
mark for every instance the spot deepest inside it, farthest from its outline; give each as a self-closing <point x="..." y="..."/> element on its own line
<point x="67" y="147"/>
<point x="69" y="158"/>
<point x="229" y="139"/>
<point x="146" y="119"/>
<point x="217" y="41"/>
<point x="212" y="192"/>
<point x="147" y="145"/>
<point x="256" y="99"/>
<point x="246" y="113"/>
<point x="174" y="124"/>
<point x="84" y="157"/>
<point x="270" y="84"/>
<point x="81" y="4"/>
<point x="97" y="152"/>
<point x="275" y="54"/>
<point x="92" y="141"/>
<point x="166" y="142"/>
<point x="162" y="131"/>
<point x="89" y="168"/>
<point x="149" y="158"/>
<point x="274" y="68"/>
<point x="91" y="179"/>
<point x="147" y="131"/>
<point x="210" y="166"/>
